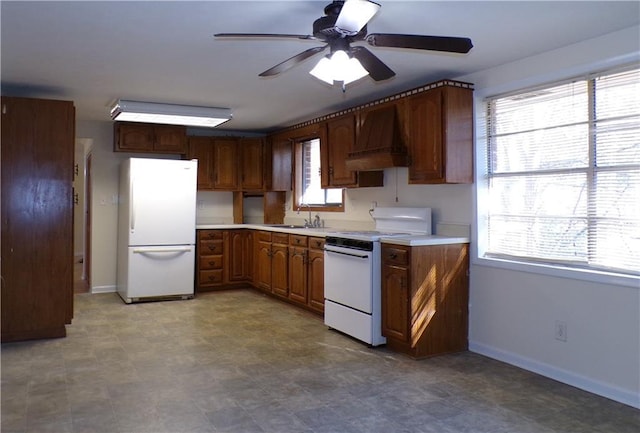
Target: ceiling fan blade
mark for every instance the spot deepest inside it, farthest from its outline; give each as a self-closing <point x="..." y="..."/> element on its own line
<point x="262" y="35"/>
<point x="376" y="68"/>
<point x="291" y="62"/>
<point x="354" y="15"/>
<point x="418" y="42"/>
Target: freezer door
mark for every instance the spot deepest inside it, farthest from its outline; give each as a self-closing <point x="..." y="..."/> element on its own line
<point x="158" y="272"/>
<point x="162" y="208"/>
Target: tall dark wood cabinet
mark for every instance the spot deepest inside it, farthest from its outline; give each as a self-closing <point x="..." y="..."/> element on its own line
<point x="37" y="217"/>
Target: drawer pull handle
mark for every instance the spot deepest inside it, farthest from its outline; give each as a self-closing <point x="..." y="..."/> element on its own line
<point x="393" y="256"/>
<point x="212" y="248"/>
<point x="212" y="263"/>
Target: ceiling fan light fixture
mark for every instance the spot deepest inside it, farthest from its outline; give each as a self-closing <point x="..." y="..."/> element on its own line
<point x="170" y="114"/>
<point x="355" y="14"/>
<point x="339" y="67"/>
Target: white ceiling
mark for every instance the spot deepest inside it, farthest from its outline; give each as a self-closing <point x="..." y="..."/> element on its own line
<point x="96" y="52"/>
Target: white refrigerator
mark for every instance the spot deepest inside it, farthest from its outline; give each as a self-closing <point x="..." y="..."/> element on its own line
<point x="156" y="229"/>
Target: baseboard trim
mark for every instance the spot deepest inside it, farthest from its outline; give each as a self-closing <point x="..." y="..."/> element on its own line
<point x="103" y="289"/>
<point x="594" y="386"/>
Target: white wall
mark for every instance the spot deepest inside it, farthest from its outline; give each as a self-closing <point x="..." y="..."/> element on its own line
<point x="448" y="203"/>
<point x="513" y="313"/>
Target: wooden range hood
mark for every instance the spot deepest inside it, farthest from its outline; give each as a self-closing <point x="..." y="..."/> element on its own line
<point x="379" y="144"/>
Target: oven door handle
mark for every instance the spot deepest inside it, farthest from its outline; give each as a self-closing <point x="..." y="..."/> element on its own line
<point x="360" y="256"/>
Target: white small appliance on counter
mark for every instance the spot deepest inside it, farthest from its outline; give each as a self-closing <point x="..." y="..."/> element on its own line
<point x="352" y="268"/>
<point x="156" y="229"/>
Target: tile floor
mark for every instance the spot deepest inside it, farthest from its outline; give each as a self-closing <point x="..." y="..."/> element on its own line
<point x="238" y="361"/>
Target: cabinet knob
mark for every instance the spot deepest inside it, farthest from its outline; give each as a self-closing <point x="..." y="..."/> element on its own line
<point x="212" y="263"/>
<point x="393" y="256"/>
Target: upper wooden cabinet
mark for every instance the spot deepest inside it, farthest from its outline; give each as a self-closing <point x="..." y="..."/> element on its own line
<point x="279" y="172"/>
<point x="149" y="138"/>
<point x="251" y="164"/>
<point x="229" y="163"/>
<point x="337" y="139"/>
<point x="439" y="133"/>
<point x="201" y="148"/>
<point x="37" y="217"/>
<point x="225" y="164"/>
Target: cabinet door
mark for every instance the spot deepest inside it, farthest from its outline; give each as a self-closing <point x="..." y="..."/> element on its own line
<point x="424" y="124"/>
<point x="201" y="148"/>
<point x="279" y="270"/>
<point x="133" y="137"/>
<point x="395" y="302"/>
<point x="316" y="279"/>
<point x="341" y="137"/>
<point x="252" y="164"/>
<point x="238" y="263"/>
<point x="225" y="164"/>
<point x="262" y="270"/>
<point x="298" y="274"/>
<point x="281" y="165"/>
<point x="37" y="217"/>
<point x="170" y="139"/>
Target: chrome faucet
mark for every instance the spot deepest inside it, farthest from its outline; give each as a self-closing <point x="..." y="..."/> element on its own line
<point x="307" y="223"/>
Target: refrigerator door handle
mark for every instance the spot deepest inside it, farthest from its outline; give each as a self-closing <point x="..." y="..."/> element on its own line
<point x="161" y="250"/>
<point x="132" y="215"/>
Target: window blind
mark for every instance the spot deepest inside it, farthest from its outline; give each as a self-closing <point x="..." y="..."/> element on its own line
<point x="564" y="174"/>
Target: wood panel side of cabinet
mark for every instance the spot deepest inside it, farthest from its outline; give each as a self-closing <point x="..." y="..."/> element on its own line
<point x="458" y="135"/>
<point x="37" y="217"/>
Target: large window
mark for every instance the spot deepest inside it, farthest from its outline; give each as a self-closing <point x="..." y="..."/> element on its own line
<point x="564" y="174"/>
<point x="308" y="186"/>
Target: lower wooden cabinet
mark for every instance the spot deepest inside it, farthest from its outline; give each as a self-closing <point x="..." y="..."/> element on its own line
<point x="315" y="275"/>
<point x="288" y="266"/>
<point x="210" y="264"/>
<point x="224" y="259"/>
<point x="425" y="297"/>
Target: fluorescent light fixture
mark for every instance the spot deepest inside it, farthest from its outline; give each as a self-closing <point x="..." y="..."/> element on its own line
<point x="354" y="15"/>
<point x="339" y="67"/>
<point x="151" y="112"/>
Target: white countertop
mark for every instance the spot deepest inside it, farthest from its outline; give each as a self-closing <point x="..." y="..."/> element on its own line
<point x="417" y="241"/>
<point x="328" y="231"/>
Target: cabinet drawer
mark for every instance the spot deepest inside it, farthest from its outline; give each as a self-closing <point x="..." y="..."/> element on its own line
<point x="208" y="247"/>
<point x="264" y="236"/>
<point x="210" y="277"/>
<point x="280" y="238"/>
<point x="209" y="234"/>
<point x="298" y="240"/>
<point x="395" y="255"/>
<point x="316" y="243"/>
<point x="210" y="262"/>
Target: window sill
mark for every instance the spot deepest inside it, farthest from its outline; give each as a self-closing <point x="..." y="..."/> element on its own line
<point x="561" y="272"/>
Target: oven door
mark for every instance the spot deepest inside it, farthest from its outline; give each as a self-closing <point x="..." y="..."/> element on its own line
<point x="348" y="277"/>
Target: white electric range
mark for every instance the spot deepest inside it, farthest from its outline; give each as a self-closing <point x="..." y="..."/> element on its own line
<point x="352" y="271"/>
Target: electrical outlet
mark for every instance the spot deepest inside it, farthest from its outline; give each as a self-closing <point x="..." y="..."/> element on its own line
<point x="561" y="330"/>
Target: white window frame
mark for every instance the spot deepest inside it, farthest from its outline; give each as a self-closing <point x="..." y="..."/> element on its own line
<point x="481" y="190"/>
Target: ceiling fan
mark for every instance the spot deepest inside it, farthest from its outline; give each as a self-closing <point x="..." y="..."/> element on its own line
<point x="346" y="22"/>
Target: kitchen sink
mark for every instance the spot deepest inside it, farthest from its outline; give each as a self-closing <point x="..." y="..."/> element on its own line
<point x="287" y="226"/>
